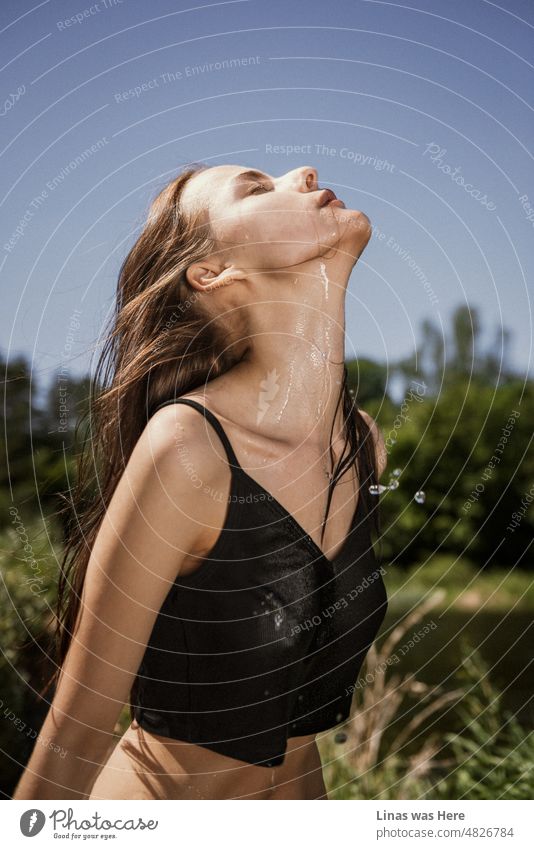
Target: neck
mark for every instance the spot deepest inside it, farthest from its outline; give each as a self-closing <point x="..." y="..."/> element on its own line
<point x="292" y="369"/>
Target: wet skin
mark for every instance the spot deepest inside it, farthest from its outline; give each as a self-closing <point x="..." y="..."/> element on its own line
<point x="280" y="271"/>
<point x="147" y="766"/>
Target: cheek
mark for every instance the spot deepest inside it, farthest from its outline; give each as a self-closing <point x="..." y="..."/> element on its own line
<point x="277" y="237"/>
<point x="274" y="237"/>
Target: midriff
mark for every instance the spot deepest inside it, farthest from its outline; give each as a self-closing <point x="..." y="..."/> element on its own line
<point x="147" y="766"/>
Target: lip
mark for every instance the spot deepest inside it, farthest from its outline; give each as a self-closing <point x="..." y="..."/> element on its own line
<point x="328" y="198"/>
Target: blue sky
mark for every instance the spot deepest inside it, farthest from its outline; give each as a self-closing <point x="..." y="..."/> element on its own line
<point x="394" y="104"/>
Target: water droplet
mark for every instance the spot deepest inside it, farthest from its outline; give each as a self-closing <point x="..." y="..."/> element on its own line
<point x="393" y="484"/>
<point x="339" y="717"/>
<point x="266" y="692"/>
<point x="396" y="473"/>
<point x="340" y="737"/>
<point x="377" y="489"/>
<point x="322" y="266"/>
<point x="278" y="618"/>
<point x="300" y="697"/>
<point x="420" y="496"/>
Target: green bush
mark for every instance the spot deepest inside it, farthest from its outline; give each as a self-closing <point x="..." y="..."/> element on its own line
<point x="27" y="594"/>
<point x="499" y="588"/>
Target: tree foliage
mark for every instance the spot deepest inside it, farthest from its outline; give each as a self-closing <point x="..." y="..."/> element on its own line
<point x="459" y="406"/>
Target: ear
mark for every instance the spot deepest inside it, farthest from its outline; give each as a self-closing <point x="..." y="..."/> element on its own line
<point x="206" y="278"/>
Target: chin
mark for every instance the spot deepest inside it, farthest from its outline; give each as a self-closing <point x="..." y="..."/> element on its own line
<point x="366" y="225"/>
<point x="359" y="227"/>
<point x="363" y="220"/>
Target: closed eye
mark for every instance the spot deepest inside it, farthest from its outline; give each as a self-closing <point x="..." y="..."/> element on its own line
<point x="255" y="188"/>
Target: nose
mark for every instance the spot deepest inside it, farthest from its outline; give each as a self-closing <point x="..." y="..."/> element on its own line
<point x="305" y="179"/>
<point x="309" y="178"/>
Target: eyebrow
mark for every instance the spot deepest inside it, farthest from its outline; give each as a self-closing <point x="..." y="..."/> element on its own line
<point x="243" y="175"/>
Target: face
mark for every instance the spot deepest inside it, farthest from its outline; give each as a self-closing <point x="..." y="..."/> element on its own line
<point x="266" y="222"/>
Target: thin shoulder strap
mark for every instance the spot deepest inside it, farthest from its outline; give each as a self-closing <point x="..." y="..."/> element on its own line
<point x="214" y="421"/>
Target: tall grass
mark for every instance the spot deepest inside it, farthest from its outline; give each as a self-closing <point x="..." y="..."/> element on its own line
<point x="391" y="747"/>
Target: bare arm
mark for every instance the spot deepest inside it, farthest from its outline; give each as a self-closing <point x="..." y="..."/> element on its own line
<point x="149" y="530"/>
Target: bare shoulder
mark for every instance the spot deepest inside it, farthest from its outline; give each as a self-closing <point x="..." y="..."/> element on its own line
<point x="165" y="511"/>
<point x="169" y="503"/>
<point x="183" y="445"/>
<point x="165" y="430"/>
<point x="380" y="446"/>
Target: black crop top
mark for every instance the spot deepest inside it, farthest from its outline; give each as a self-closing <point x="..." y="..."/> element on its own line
<point x="264" y="641"/>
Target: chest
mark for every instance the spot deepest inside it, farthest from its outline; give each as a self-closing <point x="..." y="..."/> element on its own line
<point x="270" y="589"/>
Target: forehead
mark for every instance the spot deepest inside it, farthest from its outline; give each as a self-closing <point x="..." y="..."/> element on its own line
<point x="219" y="173"/>
<point x="200" y="189"/>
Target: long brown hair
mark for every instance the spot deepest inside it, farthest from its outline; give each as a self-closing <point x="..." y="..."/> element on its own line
<point x="160" y="345"/>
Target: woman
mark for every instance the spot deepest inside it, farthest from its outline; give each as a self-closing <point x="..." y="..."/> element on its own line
<point x="196" y="583"/>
